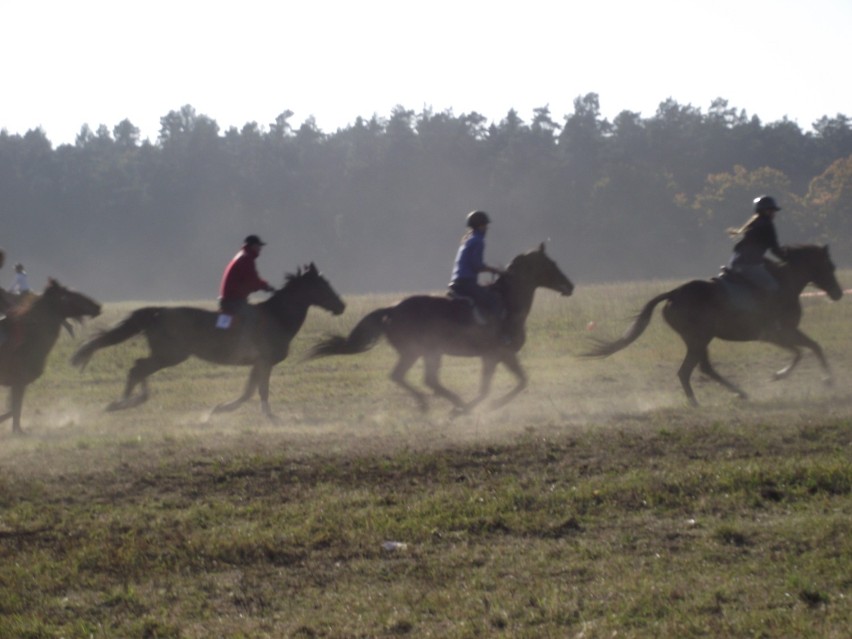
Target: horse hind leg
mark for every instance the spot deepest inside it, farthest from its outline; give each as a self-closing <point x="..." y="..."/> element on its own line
<point x="432" y="364"/>
<point x="690" y="361"/>
<point x="16" y="405"/>
<point x="707" y="369"/>
<point x="138" y="376"/>
<point x="403" y="365"/>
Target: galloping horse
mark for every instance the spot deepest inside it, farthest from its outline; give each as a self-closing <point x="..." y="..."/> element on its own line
<point x="431" y="326"/>
<point x="31" y="330"/>
<point x="176" y="333"/>
<point x="700" y="311"/>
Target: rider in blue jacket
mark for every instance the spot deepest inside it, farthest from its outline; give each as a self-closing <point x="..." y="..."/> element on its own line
<point x="470" y="262"/>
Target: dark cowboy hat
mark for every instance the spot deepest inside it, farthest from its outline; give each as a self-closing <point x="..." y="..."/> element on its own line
<point x="253" y="240"/>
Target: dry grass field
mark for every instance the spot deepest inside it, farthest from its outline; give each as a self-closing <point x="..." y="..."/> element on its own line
<point x="597" y="504"/>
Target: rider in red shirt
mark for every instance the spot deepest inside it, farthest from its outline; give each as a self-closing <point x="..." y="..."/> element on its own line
<point x="241" y="279"/>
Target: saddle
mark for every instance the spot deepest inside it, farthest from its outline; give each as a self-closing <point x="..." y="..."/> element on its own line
<point x="238" y="331"/>
<point x="741" y="294"/>
<point x="489" y="321"/>
<point x="468" y="309"/>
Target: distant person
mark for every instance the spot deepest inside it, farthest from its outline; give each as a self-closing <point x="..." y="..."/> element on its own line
<point x="20" y="286"/>
<point x="758" y="237"/>
<point x="241" y="278"/>
<point x="4" y="302"/>
<point x="470" y="262"/>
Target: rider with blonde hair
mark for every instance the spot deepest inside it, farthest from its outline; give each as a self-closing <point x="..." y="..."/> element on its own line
<point x="758" y="237"/>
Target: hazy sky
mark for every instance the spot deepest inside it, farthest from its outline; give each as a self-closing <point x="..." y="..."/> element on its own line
<point x="98" y="62"/>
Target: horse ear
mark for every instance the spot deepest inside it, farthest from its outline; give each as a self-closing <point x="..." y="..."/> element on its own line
<point x="541" y="247"/>
<point x="312" y="267"/>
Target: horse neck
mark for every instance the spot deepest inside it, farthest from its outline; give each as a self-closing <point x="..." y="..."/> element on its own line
<point x="518" y="293"/>
<point x="41" y="325"/>
<point x="793" y="281"/>
<point x="289" y="306"/>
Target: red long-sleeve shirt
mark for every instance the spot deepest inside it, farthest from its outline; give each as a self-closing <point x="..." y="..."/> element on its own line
<point x="240" y="278"/>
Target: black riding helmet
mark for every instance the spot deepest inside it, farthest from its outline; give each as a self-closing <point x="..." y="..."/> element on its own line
<point x="477" y="218"/>
<point x="765" y="204"/>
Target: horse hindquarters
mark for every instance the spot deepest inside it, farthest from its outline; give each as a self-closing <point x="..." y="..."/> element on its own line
<point x="137" y="322"/>
<point x="696" y="313"/>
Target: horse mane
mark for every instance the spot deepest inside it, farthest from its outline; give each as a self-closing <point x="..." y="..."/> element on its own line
<point x="290" y="278"/>
<point x="799" y="248"/>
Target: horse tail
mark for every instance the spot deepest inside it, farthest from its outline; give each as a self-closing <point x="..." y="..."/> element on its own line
<point x="363" y="337"/>
<point x="134" y="324"/>
<point x="640" y="323"/>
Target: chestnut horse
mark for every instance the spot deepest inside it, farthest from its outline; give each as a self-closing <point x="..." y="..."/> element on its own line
<point x="30" y="331"/>
<point x="700" y="311"/>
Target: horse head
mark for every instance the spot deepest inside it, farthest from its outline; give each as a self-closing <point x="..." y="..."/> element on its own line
<point x="813" y="263"/>
<point x="538" y="269"/>
<point x="68" y="304"/>
<point x="313" y="288"/>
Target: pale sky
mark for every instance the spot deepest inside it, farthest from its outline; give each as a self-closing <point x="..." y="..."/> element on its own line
<point x="65" y="64"/>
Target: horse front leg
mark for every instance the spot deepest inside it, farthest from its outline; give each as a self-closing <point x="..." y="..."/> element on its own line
<point x="511" y="361"/>
<point x="248" y="391"/>
<point x="486" y="376"/>
<point x="797" y="357"/>
<point x="792" y="341"/>
<point x="8" y="413"/>
<point x="263" y="375"/>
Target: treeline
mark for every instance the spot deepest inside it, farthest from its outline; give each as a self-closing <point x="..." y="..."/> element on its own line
<point x="380" y="204"/>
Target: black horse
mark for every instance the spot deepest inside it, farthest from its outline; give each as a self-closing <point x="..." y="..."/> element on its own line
<point x="176" y="333"/>
<point x="702" y="310"/>
<point x="29" y="332"/>
<point x="431" y="326"/>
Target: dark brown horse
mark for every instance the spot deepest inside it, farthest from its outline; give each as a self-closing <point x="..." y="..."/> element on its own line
<point x="702" y="310"/>
<point x="30" y="330"/>
<point x="430" y="326"/>
<point x="176" y="333"/>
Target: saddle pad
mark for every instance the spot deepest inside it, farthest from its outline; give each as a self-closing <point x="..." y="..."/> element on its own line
<point x="739" y="296"/>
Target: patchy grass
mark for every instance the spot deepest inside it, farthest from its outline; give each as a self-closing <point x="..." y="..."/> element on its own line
<point x="595" y="505"/>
